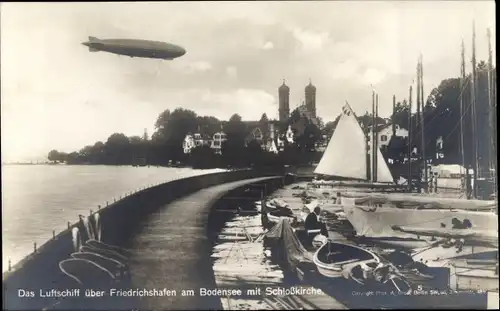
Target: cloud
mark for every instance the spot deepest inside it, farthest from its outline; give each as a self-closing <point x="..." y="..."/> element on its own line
<point x="310" y="40"/>
<point x="268" y="45"/>
<point x="238" y="54"/>
<point x="373" y="76"/>
<point x="249" y="103"/>
<point x="200" y="66"/>
<point x="193" y="67"/>
<point x="232" y="72"/>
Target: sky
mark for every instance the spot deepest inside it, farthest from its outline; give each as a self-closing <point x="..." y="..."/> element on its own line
<point x="55" y="94"/>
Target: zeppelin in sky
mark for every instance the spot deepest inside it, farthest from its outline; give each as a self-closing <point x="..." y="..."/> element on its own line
<point x="136" y="48"/>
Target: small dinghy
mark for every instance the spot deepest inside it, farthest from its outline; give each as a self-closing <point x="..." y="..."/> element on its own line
<point x="333" y="257"/>
<point x="275" y="219"/>
<point x="278" y="211"/>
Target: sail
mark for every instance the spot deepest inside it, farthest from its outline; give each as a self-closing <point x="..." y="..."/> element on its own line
<point x="383" y="172"/>
<point x="345" y="155"/>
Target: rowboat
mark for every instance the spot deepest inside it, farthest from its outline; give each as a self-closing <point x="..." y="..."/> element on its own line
<point x="275" y="219"/>
<point x="333" y="258"/>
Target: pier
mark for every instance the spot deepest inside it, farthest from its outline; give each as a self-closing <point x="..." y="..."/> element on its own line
<point x="173" y="250"/>
<point x="123" y="223"/>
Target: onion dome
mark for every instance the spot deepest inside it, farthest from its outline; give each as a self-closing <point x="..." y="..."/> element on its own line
<point x="284" y="87"/>
<point x="310" y="87"/>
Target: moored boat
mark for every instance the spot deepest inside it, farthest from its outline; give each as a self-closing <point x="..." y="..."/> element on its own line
<point x="380" y="223"/>
<point x="333" y="257"/>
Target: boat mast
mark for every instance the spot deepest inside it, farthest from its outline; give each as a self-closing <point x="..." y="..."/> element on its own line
<point x="422" y="120"/>
<point x="462" y="113"/>
<point x="473" y="114"/>
<point x="393" y="113"/>
<point x="372" y="140"/>
<point x="409" y="140"/>
<point x="492" y="115"/>
<point x="417" y="125"/>
<point x="375" y="151"/>
<point x="367" y="152"/>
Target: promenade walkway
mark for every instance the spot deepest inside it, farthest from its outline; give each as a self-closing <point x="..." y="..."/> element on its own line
<point x="173" y="251"/>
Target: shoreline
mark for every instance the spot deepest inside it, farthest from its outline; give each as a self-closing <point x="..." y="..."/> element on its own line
<point x="47" y="223"/>
<point x="40" y="247"/>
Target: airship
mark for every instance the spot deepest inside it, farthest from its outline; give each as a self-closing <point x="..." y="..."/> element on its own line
<point x="136" y="48"/>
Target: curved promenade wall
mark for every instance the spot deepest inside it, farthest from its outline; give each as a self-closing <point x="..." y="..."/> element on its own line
<point x="119" y="222"/>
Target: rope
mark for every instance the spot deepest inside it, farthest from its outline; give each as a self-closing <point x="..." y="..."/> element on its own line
<point x="231" y="249"/>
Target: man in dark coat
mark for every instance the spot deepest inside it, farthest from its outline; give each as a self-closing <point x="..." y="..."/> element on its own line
<point x="312" y="222"/>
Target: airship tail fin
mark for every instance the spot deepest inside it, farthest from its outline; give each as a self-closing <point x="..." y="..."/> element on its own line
<point x="93" y="38"/>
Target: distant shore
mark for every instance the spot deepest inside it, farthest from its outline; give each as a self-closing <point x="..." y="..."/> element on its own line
<point x="81" y="164"/>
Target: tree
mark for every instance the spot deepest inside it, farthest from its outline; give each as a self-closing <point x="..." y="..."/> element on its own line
<point x="117" y="149"/>
<point x="54" y="156"/>
<point x="208" y="125"/>
<point x="202" y="157"/>
<point x="86" y="154"/>
<point x="162" y="120"/>
<point x="254" y="153"/>
<point x="401" y="114"/>
<point x="309" y="137"/>
<point x="171" y="129"/>
<point x="264" y="119"/>
<point x="235" y="129"/>
<point x="264" y="125"/>
<point x="330" y="127"/>
<point x="233" y="150"/>
<point x="73" y="158"/>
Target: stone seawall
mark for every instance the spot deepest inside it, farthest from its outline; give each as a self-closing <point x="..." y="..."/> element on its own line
<point x="118" y="223"/>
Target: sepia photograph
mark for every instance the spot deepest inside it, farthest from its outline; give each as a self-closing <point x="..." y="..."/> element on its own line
<point x="249" y="155"/>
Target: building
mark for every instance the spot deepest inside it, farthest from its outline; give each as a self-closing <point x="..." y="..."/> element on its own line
<point x="439" y="148"/>
<point x="195" y="140"/>
<point x="217" y="141"/>
<point x="310" y="96"/>
<point x="188" y="144"/>
<point x="385" y="132"/>
<point x="289" y="135"/>
<point x="284" y="102"/>
<point x="306" y="109"/>
<point x="265" y="133"/>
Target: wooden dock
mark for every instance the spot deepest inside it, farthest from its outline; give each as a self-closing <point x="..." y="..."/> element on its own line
<point x="242" y="262"/>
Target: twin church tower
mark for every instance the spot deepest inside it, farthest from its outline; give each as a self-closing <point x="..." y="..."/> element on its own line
<point x="284" y="101"/>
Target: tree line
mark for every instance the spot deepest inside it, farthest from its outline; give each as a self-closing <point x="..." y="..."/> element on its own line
<point x="165" y="147"/>
<point x="441" y="119"/>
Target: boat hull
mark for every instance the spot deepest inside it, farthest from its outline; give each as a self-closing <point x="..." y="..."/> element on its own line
<point x="330" y="273"/>
<point x="332" y="258"/>
<point x="378" y="222"/>
<point x="276" y="219"/>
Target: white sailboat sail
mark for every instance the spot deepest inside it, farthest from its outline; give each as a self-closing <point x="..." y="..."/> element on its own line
<point x="345" y="155"/>
<point x="383" y="173"/>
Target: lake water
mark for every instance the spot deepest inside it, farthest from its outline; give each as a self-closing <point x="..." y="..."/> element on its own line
<point x="37" y="199"/>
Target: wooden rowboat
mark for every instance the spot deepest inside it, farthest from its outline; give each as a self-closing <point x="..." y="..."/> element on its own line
<point x="333" y="257"/>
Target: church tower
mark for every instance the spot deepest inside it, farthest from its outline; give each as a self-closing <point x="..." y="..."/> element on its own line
<point x="311" y="99"/>
<point x="284" y="102"/>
